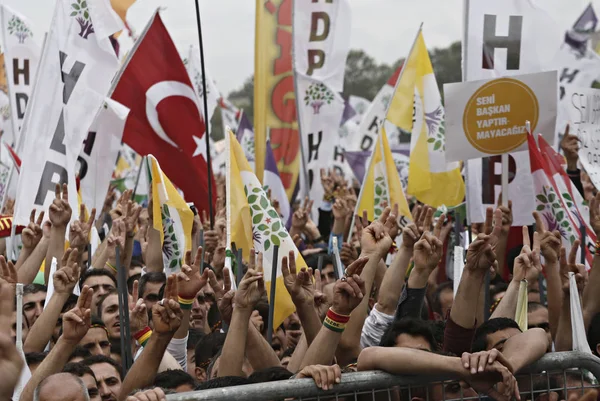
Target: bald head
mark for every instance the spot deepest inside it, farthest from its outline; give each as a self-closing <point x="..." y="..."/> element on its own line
<point x="61" y="387"/>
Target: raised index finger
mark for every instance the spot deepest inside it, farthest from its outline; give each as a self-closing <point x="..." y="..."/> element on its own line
<point x="540" y="227"/>
<point x="573" y="252"/>
<point x="438" y="226"/>
<point x="526" y="241"/>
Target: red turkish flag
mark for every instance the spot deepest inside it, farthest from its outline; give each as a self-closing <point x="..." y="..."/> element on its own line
<point x="165" y="120"/>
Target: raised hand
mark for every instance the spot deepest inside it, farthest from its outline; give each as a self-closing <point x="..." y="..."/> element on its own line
<point x="33" y="233"/>
<point x="117" y="235"/>
<point x="481" y="255"/>
<point x="428" y="251"/>
<point x="328" y="183"/>
<point x="78" y="320"/>
<point x="527" y="264"/>
<point x="550" y="241"/>
<point x="250" y="290"/>
<point x="349" y="291"/>
<point x="211" y="240"/>
<point x="131" y="213"/>
<point x="341" y="209"/>
<point x="11" y="362"/>
<point x="8" y="273"/>
<point x="391" y="223"/>
<point x="110" y="198"/>
<point x="79" y="231"/>
<point x="570" y="265"/>
<point x="60" y="210"/>
<point x="138" y="316"/>
<point x="348" y="254"/>
<point x="189" y="279"/>
<point x="67" y="276"/>
<point x="320" y="300"/>
<point x="595" y="214"/>
<point x="570" y="147"/>
<point x="166" y="314"/>
<point x="223" y="293"/>
<point x="301" y="216"/>
<point x="374" y="239"/>
<point x="299" y="284"/>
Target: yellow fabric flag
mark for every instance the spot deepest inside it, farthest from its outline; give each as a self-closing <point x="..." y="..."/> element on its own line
<point x="121" y="7"/>
<point x="253" y="223"/>
<point x="382" y="183"/>
<point x="521" y="312"/>
<point x="274" y="99"/>
<point x="417" y="97"/>
<point x="173" y="218"/>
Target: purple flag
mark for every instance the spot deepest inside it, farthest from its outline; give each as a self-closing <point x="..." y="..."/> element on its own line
<point x="243" y="126"/>
<point x="349" y="112"/>
<point x="358" y="161"/>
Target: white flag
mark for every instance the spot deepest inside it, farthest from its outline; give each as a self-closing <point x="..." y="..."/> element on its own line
<point x="21" y="57"/>
<point x="74" y="77"/>
<point x="100" y="152"/>
<point x="194" y="69"/>
<point x="321" y="44"/>
<point x="503" y="38"/>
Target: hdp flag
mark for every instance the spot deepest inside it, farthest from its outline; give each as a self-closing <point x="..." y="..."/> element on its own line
<point x="173" y="218"/>
<point x="253" y="223"/>
<point x="430" y="179"/>
<point x="382" y="183"/>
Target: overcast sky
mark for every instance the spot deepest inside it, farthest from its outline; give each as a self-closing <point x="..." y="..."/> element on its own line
<point x="384" y="28"/>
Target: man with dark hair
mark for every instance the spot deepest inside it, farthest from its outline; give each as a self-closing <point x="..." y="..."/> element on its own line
<point x="108" y="311"/>
<point x="225" y="381"/>
<point x="87" y="376"/>
<point x="99" y="280"/>
<point x="442" y="301"/>
<point x="34" y="298"/>
<point x="34" y="359"/>
<point x="108" y="375"/>
<point x="96" y="339"/>
<point x="494" y="333"/>
<point x="205" y="351"/>
<point x="176" y="380"/>
<point x="194" y="336"/>
<point x="272" y="374"/>
<point x="537" y="316"/>
<point x="131" y="280"/>
<point x="149" y="288"/>
<point x="410" y="333"/>
<point x="79" y="354"/>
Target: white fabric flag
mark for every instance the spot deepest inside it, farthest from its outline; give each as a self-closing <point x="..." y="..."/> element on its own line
<point x="21" y="57"/>
<point x="100" y="152"/>
<point x="74" y="77"/>
<point x="194" y="69"/>
<point x="577" y="327"/>
<point x="321" y="38"/>
<point x="517" y="37"/>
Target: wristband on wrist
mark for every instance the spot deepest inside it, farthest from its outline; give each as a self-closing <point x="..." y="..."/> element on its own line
<point x="335" y="322"/>
<point x="143" y="335"/>
<point x="111" y="266"/>
<point x="185" y="303"/>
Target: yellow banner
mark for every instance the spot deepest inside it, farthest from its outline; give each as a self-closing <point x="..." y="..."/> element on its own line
<point x="274" y="100"/>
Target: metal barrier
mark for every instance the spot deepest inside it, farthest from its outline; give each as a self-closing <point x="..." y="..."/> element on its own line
<point x="561" y="372"/>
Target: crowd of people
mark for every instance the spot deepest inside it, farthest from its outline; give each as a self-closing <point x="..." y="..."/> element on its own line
<point x="394" y="309"/>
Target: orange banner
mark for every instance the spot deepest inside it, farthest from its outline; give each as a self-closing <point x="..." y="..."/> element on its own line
<point x="274" y="99"/>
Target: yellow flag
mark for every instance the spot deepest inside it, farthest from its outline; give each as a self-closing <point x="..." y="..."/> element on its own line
<point x="121" y="7"/>
<point x="382" y="183"/>
<point x="173" y="218"/>
<point x="430" y="178"/>
<point x="254" y="223"/>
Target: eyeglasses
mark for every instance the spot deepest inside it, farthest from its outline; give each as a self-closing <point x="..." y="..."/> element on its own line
<point x="545" y="326"/>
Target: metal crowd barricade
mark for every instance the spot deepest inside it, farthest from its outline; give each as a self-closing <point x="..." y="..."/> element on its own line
<point x="560" y="372"/>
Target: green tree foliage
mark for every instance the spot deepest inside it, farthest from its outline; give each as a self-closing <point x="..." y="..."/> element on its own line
<point x="364" y="77"/>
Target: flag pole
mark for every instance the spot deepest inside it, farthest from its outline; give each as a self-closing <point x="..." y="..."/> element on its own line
<point x="206" y="122"/>
<point x="274" y="268"/>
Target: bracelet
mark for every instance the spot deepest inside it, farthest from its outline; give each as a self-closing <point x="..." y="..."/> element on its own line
<point x="111" y="266"/>
<point x="143" y="335"/>
<point x="185" y="304"/>
<point x="335" y="322"/>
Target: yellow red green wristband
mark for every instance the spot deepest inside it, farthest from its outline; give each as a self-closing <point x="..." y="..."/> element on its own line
<point x="185" y="303"/>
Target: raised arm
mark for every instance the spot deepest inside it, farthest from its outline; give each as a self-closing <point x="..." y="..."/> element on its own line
<point x="31" y="237"/>
<point x="65" y="279"/>
<point x="550" y="246"/>
<point x="375" y="244"/>
<point x="76" y="324"/>
<point x="591" y="296"/>
<point x="60" y="215"/>
<point x="348" y="294"/>
<point x="248" y="294"/>
<point x="166" y="316"/>
<point x="79" y="233"/>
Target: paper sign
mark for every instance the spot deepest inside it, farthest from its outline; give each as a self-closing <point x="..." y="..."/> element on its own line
<point x="487" y="117"/>
<point x="583" y="105"/>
